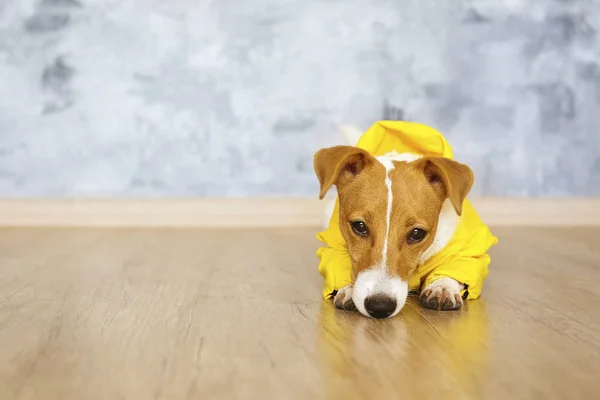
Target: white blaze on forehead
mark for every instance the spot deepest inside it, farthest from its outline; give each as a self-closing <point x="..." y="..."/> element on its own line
<point x="387" y="160"/>
<point x="389" y="167"/>
<point x="400" y="157"/>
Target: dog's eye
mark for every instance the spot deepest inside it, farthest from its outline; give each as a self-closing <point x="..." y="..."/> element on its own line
<point x="416" y="235"/>
<point x="359" y="227"/>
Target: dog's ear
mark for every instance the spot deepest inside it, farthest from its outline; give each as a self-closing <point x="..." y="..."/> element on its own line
<point x="453" y="178"/>
<point x="335" y="165"/>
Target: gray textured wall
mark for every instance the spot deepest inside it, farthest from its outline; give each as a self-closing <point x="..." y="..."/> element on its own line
<point x="231" y="98"/>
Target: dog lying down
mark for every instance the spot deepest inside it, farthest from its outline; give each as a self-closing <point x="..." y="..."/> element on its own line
<point x="401" y="222"/>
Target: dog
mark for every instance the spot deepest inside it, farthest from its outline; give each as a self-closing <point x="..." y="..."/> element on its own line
<point x="401" y="221"/>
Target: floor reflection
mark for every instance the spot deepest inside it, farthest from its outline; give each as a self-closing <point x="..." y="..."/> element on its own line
<point x="366" y="358"/>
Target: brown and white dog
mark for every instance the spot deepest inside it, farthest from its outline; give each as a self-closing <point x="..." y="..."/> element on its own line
<point x="395" y="211"/>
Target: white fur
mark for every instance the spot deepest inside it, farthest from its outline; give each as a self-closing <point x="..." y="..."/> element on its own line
<point x="389" y="167"/>
<point x="377" y="280"/>
<point x="343" y="295"/>
<point x="399" y="157"/>
<point x="445" y="284"/>
<point x="447" y="224"/>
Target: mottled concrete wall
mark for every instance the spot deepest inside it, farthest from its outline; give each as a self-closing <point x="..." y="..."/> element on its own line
<point x="232" y="98"/>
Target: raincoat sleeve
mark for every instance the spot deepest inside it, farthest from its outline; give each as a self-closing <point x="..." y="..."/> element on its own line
<point x="335" y="266"/>
<point x="467" y="264"/>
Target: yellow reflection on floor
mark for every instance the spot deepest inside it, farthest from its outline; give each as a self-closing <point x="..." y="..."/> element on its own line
<point x="419" y="353"/>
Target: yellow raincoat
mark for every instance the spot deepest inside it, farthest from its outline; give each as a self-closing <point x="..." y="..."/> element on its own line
<point x="464" y="258"/>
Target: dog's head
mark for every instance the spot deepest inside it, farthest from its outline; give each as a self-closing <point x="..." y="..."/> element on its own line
<point x="389" y="211"/>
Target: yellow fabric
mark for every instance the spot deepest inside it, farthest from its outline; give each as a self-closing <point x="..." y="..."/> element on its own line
<point x="464" y="258"/>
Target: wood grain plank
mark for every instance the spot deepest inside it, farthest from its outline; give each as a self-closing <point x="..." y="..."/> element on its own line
<point x="237" y="314"/>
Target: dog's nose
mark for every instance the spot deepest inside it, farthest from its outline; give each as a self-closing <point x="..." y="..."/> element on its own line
<point x="380" y="306"/>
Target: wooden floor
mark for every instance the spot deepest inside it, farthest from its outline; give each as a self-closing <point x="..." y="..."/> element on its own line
<point x="184" y="314"/>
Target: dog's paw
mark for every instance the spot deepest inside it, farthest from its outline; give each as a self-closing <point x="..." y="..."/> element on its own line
<point x="442" y="294"/>
<point x="343" y="298"/>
